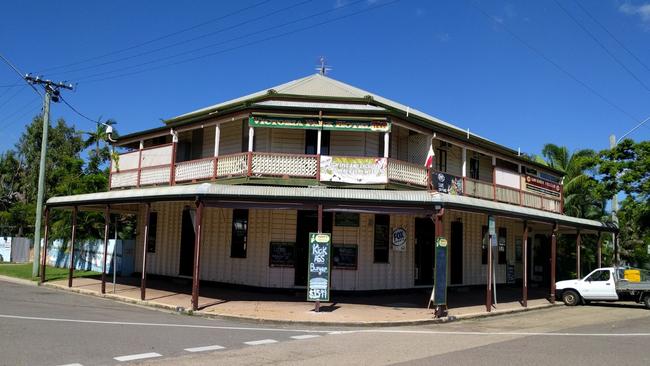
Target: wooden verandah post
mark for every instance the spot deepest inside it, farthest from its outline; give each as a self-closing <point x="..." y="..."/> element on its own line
<point x="107" y="222"/>
<point x="524" y="299"/>
<point x="197" y="255"/>
<point x="72" y="240"/>
<point x="143" y="279"/>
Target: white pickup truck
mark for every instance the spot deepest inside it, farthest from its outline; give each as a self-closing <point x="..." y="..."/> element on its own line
<point x="603" y="284"/>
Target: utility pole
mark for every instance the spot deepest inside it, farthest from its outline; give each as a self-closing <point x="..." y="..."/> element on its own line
<point x="51" y="94"/>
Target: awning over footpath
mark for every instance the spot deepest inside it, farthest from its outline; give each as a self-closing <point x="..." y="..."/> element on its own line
<point x="338" y="199"/>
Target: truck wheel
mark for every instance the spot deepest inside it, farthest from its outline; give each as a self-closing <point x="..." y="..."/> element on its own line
<point x="570" y="298"/>
<point x="646" y="301"/>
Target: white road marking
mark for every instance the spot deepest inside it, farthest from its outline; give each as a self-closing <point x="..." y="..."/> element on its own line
<point x="260" y="342"/>
<point x="139" y="356"/>
<point x="305" y="336"/>
<point x="72" y="364"/>
<point x="204" y="348"/>
<point x="397" y="331"/>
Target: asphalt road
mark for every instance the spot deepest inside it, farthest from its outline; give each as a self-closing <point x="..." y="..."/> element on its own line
<point x="42" y="326"/>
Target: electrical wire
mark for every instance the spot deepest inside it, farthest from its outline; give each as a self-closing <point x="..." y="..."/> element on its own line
<point x="599" y="43"/>
<point x="555" y="64"/>
<point x="89" y="79"/>
<point x="158" y="38"/>
<point x="186" y="41"/>
<point x="612" y="35"/>
<point x="77" y="112"/>
<point x="20" y="74"/>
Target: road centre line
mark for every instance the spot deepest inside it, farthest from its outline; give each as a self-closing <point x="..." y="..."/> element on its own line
<point x="139" y="356"/>
<point x="261" y="342"/>
<point x="204" y="348"/>
<point x="305" y="336"/>
<point x="379" y="330"/>
<point x="72" y="364"/>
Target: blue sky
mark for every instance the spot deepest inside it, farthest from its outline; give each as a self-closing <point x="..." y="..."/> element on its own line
<point x="463" y="61"/>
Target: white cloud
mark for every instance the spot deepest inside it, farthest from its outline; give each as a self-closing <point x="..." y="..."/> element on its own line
<point x="443" y="37"/>
<point x="643" y="10"/>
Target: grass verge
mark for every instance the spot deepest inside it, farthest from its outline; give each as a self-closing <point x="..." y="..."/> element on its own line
<point x="24" y="271"/>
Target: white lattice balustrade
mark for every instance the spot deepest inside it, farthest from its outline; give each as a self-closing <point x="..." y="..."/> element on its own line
<point x="195" y="170"/>
<point x="126" y="179"/>
<point x="404" y="172"/>
<point x="232" y="165"/>
<point x="154" y="176"/>
<point x="284" y="165"/>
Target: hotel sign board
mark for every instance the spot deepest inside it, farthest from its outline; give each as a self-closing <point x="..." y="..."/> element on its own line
<point x="353" y="170"/>
<point x="318" y="267"/>
<point x="537" y="184"/>
<point x="327" y="124"/>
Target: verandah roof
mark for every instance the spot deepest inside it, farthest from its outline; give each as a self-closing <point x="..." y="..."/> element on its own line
<point x="334" y="198"/>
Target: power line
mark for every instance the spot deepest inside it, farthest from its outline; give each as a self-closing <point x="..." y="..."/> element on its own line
<point x="555" y="64"/>
<point x="595" y="39"/>
<point x="612" y="35"/>
<point x="19" y="108"/>
<point x="185" y="41"/>
<point x="20" y="74"/>
<point x="158" y="38"/>
<point x="20" y="117"/>
<point x="77" y="112"/>
<point x="237" y="38"/>
<point x="11" y="85"/>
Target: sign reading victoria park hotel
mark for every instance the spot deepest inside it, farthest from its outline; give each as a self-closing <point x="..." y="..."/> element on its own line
<point x="328" y="124"/>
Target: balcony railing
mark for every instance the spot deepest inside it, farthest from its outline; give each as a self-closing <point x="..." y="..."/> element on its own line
<point x="153" y="166"/>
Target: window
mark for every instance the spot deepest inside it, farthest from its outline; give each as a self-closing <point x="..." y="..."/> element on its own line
<point x="599" y="276"/>
<point x="473" y="168"/>
<point x="239" y="233"/>
<point x="442" y="160"/>
<point x="381" y="145"/>
<point x="484" y="245"/>
<point x="501" y="245"/>
<point x="151" y="232"/>
<point x="382" y="228"/>
<point x="311" y="142"/>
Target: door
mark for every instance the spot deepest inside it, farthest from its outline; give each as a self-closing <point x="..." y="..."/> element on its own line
<point x="186" y="259"/>
<point x="307" y="222"/>
<point x="598" y="285"/>
<point x="456" y="253"/>
<point x="424" y="263"/>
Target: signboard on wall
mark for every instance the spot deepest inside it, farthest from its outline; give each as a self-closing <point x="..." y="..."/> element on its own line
<point x="5" y="249"/>
<point x="344" y="256"/>
<point x="537" y="184"/>
<point x="318" y="267"/>
<point x="281" y="254"/>
<point x="353" y="170"/>
<point x="316" y="124"/>
<point x="447" y="183"/>
<point x="399" y="239"/>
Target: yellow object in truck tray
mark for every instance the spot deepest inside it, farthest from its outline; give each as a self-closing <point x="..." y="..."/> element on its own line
<point x="632" y="275"/>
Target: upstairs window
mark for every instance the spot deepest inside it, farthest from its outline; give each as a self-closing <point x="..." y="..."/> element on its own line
<point x="239" y="234"/>
<point x="474" y="168"/>
<point x="442" y="160"/>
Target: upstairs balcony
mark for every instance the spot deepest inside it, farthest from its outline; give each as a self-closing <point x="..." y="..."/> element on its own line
<point x="363" y="154"/>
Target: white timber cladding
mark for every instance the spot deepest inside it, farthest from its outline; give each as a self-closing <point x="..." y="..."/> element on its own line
<point x="290" y="141"/>
<point x="280" y="225"/>
<point x="355" y="143"/>
<point x="231" y="138"/>
<point x="208" y="142"/>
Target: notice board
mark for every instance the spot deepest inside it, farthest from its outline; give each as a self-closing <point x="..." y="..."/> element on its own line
<point x="440" y="278"/>
<point x="318" y="267"/>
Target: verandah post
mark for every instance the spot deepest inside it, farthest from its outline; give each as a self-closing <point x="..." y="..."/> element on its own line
<point x="44" y="259"/>
<point x="107" y="222"/>
<point x="320" y="230"/>
<point x="524" y="301"/>
<point x="197" y="255"/>
<point x="578" y="242"/>
<point x="72" y="240"/>
<point x="145" y="242"/>
<point x="488" y="300"/>
<point x="553" y="260"/>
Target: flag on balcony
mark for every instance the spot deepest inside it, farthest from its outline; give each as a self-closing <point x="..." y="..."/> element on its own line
<point x="429" y="162"/>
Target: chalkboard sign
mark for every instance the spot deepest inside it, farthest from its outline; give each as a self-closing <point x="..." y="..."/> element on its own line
<point x="281" y="254"/>
<point x="318" y="284"/>
<point x="440" y="279"/>
<point x="348" y="219"/>
<point x="510" y="273"/>
<point x="344" y="256"/>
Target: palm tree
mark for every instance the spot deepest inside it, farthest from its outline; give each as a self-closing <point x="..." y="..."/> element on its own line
<point x="580" y="199"/>
<point x="99" y="154"/>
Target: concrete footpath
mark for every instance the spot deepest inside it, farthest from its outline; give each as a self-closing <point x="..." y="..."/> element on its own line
<point x="359" y="310"/>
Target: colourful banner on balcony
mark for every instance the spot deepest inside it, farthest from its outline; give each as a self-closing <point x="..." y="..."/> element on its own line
<point x="353" y="170"/>
<point x="325" y="124"/>
<point x="447" y="183"/>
